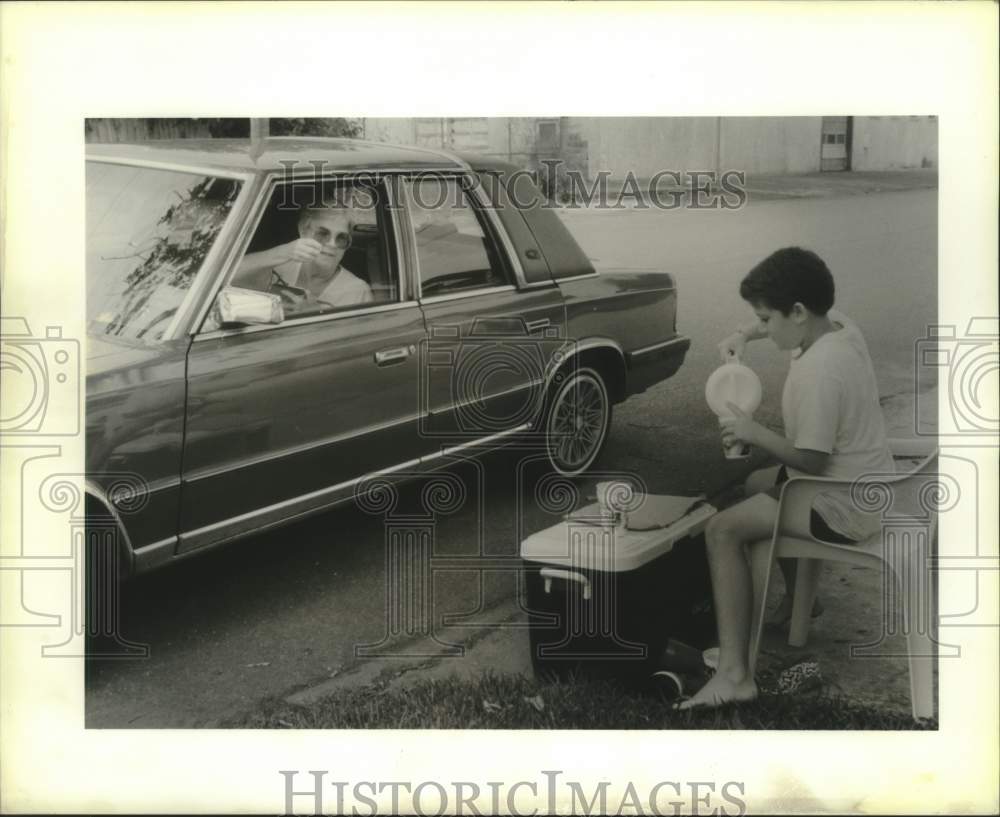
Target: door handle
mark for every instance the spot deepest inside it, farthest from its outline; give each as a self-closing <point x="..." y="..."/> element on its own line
<point x="534" y="326"/>
<point x="388" y="356"/>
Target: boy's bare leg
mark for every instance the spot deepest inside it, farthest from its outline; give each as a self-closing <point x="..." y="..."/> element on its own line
<point x="732" y="589"/>
<point x="758" y="482"/>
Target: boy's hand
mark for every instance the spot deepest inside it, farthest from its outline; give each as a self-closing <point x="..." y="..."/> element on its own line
<point x="740" y="426"/>
<point x="733" y="347"/>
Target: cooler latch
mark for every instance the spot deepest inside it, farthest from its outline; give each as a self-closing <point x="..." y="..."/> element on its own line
<point x="550" y="573"/>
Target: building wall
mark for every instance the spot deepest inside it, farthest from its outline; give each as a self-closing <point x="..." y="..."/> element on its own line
<point x="647" y="145"/>
<point x="513" y="139"/>
<point x="894" y="142"/>
<point x="771" y="144"/>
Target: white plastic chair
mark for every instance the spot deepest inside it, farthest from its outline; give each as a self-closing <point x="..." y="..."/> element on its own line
<point x="905" y="504"/>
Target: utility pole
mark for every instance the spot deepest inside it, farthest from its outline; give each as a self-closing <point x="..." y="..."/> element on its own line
<point x="260" y="129"/>
<point x="718" y="149"/>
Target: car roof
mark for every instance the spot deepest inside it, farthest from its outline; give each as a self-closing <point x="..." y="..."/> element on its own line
<point x="275" y="154"/>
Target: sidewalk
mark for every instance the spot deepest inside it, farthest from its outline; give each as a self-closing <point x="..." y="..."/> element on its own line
<point x="802" y="186"/>
<point x="835" y="185"/>
<point x="852" y="597"/>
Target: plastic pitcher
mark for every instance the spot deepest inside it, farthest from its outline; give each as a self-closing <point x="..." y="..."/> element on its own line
<point x="737" y="384"/>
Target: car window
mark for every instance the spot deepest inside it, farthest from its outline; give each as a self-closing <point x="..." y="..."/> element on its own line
<point x="322" y="247"/>
<point x="455" y="253"/>
<point x="148" y="233"/>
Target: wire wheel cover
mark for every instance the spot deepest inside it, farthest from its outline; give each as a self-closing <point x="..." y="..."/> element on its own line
<point x="578" y="423"/>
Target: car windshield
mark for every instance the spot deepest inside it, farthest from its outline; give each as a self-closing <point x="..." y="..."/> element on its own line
<point x="148" y="233"/>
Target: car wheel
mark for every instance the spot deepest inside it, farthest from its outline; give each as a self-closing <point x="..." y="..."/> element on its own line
<point x="577" y="423"/>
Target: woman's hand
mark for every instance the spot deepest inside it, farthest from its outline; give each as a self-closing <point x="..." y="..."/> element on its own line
<point x="739" y="427"/>
<point x="301" y="249"/>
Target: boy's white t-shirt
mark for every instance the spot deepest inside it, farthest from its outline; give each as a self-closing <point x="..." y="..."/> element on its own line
<point x="830" y="403"/>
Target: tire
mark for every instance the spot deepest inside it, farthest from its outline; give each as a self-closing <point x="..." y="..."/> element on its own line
<point x="577" y="422"/>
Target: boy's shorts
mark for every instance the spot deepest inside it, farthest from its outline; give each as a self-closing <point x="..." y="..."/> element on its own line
<point x="817" y="524"/>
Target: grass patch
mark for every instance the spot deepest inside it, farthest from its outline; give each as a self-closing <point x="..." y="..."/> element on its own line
<point x="514" y="702"/>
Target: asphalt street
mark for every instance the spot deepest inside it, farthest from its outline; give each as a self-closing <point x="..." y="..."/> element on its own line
<point x="288" y="609"/>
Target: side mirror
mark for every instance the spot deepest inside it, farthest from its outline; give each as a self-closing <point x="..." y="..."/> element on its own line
<point x="236" y="306"/>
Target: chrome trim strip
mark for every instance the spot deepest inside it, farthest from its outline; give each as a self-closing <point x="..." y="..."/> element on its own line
<point x="152" y="556"/>
<point x="394" y="206"/>
<point x="248" y="330"/>
<point x="678" y="341"/>
<point x="285" y="511"/>
<point x="474" y="443"/>
<point x="411" y="236"/>
<point x="579" y="277"/>
<point x="163" y="484"/>
<point x="206" y="473"/>
<point x="539" y="285"/>
<point x="472" y="293"/>
<point x="204" y="170"/>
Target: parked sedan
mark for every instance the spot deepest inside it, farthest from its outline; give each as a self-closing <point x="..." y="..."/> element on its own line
<point x="273" y="325"/>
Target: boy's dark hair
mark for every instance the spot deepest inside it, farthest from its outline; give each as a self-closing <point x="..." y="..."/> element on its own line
<point x="788" y="276"/>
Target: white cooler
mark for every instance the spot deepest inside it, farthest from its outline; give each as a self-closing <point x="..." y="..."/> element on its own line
<point x="603" y="599"/>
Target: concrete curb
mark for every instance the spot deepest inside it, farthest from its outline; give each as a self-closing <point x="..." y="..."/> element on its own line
<point x="501" y="643"/>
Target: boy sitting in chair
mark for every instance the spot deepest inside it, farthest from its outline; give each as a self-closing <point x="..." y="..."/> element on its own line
<point x="833" y="428"/>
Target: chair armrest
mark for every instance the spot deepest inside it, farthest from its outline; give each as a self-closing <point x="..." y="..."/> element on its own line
<point x="917" y="447"/>
<point x="796" y="500"/>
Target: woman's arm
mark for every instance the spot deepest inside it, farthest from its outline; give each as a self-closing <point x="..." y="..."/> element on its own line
<point x="254" y="270"/>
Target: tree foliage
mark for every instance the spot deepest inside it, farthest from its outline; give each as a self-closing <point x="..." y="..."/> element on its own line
<point x="302" y="126"/>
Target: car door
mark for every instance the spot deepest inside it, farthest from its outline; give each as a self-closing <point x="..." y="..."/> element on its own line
<point x="285" y="419"/>
<point x="491" y="336"/>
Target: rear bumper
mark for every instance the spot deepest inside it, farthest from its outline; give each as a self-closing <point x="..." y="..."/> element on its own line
<point x="652" y="364"/>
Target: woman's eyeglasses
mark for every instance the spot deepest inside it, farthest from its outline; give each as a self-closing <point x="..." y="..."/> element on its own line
<point x="341" y="239"/>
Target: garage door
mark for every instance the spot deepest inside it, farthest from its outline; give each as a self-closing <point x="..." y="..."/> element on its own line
<point x="835" y="147"/>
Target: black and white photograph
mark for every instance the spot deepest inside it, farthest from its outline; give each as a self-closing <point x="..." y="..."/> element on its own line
<point x="469" y="461"/>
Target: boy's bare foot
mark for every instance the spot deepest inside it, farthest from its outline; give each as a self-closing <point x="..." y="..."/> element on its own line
<point x="783" y="612"/>
<point x="720" y="691"/>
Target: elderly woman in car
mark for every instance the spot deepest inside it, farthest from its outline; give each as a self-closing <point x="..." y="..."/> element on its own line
<point x="308" y="269"/>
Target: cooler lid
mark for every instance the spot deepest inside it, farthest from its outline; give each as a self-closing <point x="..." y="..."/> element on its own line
<point x="588" y="540"/>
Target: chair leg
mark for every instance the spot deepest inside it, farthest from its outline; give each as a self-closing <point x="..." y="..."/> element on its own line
<point x="916" y="596"/>
<point x="921" y="658"/>
<point x="806" y="584"/>
<point x="760" y="572"/>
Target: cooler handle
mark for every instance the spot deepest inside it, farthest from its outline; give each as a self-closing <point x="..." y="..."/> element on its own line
<point x="550" y="573"/>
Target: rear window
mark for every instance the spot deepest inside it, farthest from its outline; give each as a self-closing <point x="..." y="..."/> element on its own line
<point x="148" y="233"/>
